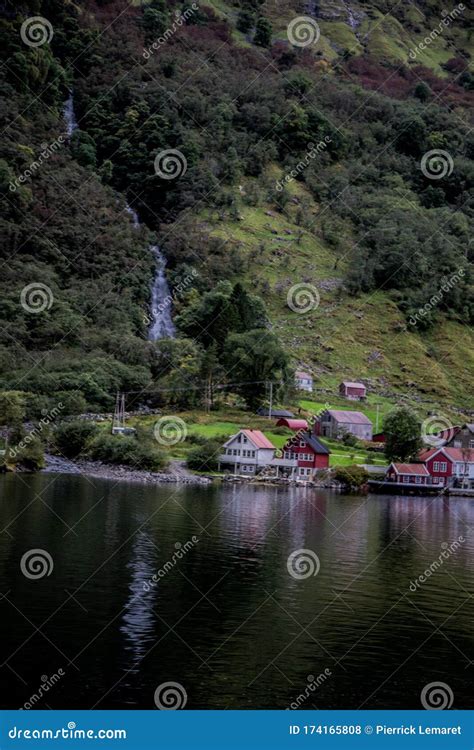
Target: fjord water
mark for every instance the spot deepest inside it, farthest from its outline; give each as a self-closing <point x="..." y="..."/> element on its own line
<point x="227" y="621"/>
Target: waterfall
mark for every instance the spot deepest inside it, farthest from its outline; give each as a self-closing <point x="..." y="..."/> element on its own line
<point x="70" y="115"/>
<point x="161" y="326"/>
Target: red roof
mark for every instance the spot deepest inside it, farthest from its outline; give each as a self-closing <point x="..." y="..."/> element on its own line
<point x="258" y="439"/>
<point x="460" y="454"/>
<point x="293" y="424"/>
<point x="453" y="454"/>
<point x="415" y="469"/>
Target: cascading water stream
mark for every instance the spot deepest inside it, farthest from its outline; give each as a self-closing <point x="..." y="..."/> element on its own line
<point x="70" y="115"/>
<point x="161" y="325"/>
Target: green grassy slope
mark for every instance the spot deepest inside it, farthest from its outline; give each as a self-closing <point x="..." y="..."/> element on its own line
<point x="345" y="337"/>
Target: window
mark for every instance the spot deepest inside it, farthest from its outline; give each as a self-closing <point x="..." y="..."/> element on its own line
<point x="418" y="480"/>
<point x="443" y="466"/>
<point x="302" y="444"/>
<point x="253" y="454"/>
<point x="471" y="444"/>
<point x="436" y="466"/>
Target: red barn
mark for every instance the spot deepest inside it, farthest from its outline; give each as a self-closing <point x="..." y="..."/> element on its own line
<point x="353" y="391"/>
<point x="310" y="454"/>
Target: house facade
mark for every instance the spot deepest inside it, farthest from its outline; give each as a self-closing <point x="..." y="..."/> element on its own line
<point x="353" y="391"/>
<point x="407" y="474"/>
<point x="453" y="466"/>
<point x="334" y="423"/>
<point x="246" y="452"/>
<point x="458" y="437"/>
<point x="309" y="453"/>
<point x="303" y="381"/>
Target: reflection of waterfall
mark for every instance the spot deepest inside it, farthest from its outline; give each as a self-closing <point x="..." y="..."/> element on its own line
<point x="138" y="619"/>
<point x="162" y="326"/>
<point x="70" y="115"/>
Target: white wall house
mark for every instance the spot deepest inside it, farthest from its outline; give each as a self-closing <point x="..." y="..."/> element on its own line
<point x="247" y="452"/>
<point x="303" y="381"/>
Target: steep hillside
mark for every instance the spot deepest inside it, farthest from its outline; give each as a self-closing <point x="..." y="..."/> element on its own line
<point x="277" y="175"/>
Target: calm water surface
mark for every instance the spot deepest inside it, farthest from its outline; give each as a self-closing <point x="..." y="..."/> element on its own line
<point x="227" y="621"/>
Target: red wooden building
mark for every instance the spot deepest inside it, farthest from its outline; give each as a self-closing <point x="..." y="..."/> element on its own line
<point x="408" y="474"/>
<point x="310" y="454"/>
<point x="353" y="391"/>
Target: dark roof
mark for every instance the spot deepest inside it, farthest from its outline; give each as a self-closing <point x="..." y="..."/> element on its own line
<point x="263" y="412"/>
<point x="316" y="445"/>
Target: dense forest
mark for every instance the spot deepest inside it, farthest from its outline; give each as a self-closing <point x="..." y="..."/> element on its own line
<point x="235" y="100"/>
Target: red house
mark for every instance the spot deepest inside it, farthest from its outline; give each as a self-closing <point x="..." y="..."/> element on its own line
<point x="353" y="391"/>
<point x="310" y="454"/>
<point x="446" y="464"/>
<point x="293" y="424"/>
<point x="408" y="474"/>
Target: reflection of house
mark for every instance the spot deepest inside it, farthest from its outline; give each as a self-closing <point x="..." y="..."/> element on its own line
<point x="265" y="411"/>
<point x="333" y="423"/>
<point x="353" y="391"/>
<point x="408" y="474"/>
<point x="308" y="452"/>
<point x="458" y="437"/>
<point x="247" y="452"/>
<point x="303" y="381"/>
<point x="293" y="424"/>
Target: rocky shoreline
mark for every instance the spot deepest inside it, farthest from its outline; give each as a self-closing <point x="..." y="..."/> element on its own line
<point x="58" y="465"/>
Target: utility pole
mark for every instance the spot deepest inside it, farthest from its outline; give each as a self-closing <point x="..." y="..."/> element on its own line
<point x="271" y="401"/>
<point x="377" y="419"/>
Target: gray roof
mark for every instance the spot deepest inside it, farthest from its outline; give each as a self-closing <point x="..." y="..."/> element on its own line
<point x="264" y="412"/>
<point x="349" y="417"/>
<point x="316" y="445"/>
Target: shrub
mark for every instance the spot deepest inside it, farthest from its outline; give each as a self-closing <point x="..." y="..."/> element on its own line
<point x="204" y="457"/>
<point x="127" y="451"/>
<point x="71" y="438"/>
<point x="351" y="477"/>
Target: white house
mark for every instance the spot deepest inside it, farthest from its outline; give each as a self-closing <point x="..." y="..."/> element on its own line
<point x="303" y="381"/>
<point x="247" y="452"/>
